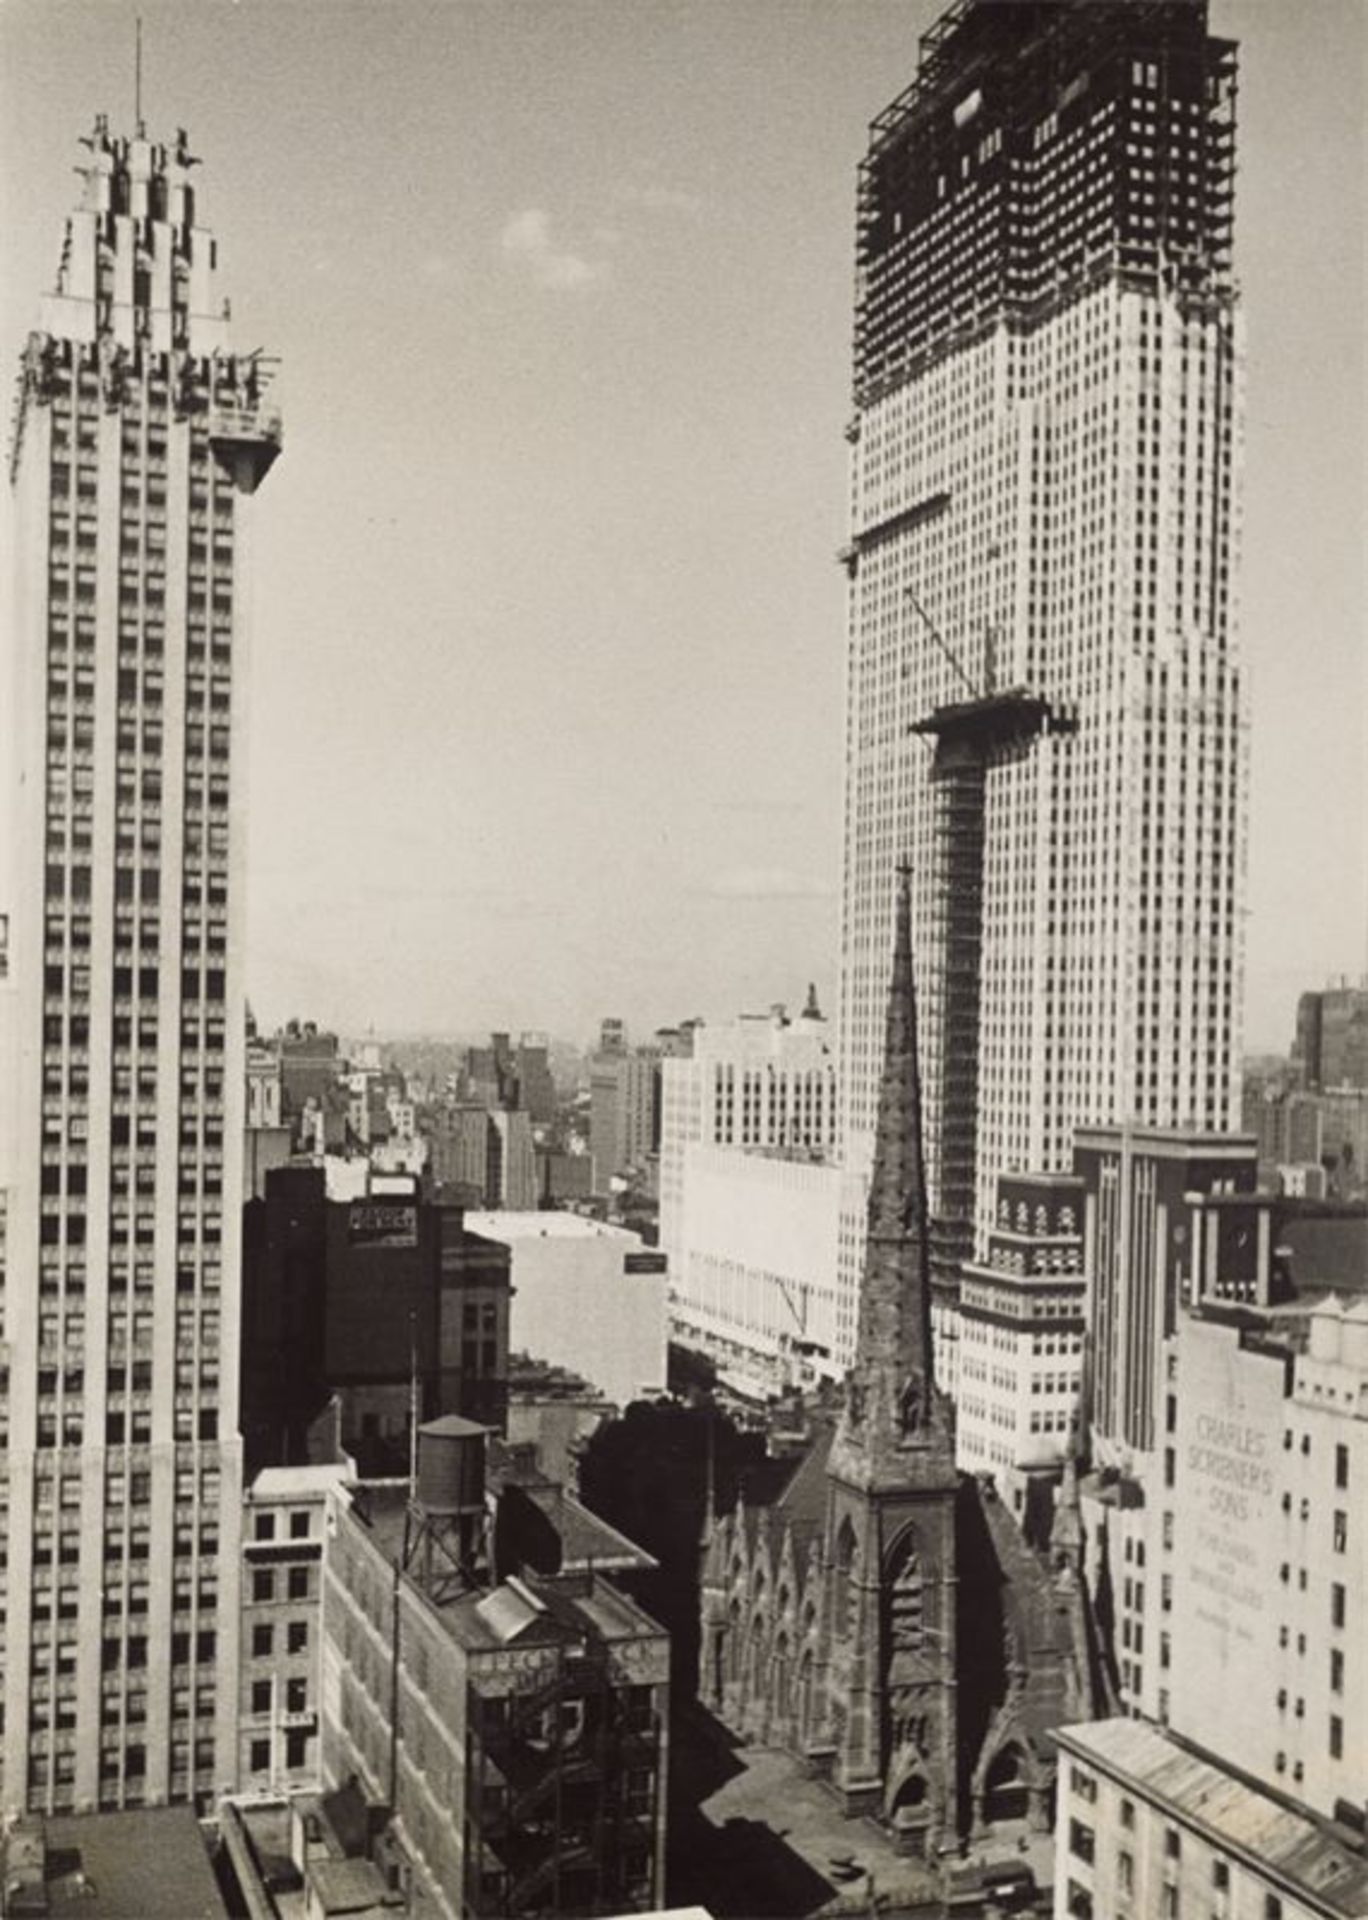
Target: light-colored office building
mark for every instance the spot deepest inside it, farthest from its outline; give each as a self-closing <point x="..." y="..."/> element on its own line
<point x="585" y="1296"/>
<point x="1018" y="1361"/>
<point x="1269" y="1621"/>
<point x="1150" y="1828"/>
<point x="753" y="1283"/>
<point x="761" y="1080"/>
<point x="748" y="1207"/>
<point x="1171" y="1223"/>
<point x="140" y="440"/>
<point x="282" y="1556"/>
<point x="1044" y="705"/>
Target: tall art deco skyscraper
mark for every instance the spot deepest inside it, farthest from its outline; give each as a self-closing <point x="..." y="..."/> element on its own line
<point x="139" y="441"/>
<point x="1044" y="709"/>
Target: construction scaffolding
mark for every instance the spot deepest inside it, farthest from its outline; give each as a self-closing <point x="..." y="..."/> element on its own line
<point x="968" y="735"/>
<point x="976" y="202"/>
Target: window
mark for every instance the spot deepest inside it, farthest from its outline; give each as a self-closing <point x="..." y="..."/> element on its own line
<point x="296" y="1695"/>
<point x="265" y="1526"/>
<point x="1083" y="1784"/>
<point x="1272" y="1907"/>
<point x="261" y="1696"/>
<point x="1081" y="1841"/>
<point x="262" y="1638"/>
<point x="1336" y="1737"/>
<point x="1125" y="1871"/>
<point x="299" y="1525"/>
<point x="1341" y="1466"/>
<point x="296" y="1747"/>
<point x="261" y="1755"/>
<point x="1173" y="1843"/>
<point x="1341" y="1539"/>
<point x="1128" y="1815"/>
<point x="1220" y="1876"/>
<point x="263" y="1583"/>
<point x="1336" y="1670"/>
<point x="1337" y="1605"/>
<point x="1170" y="1908"/>
<point x="1080" y="1903"/>
<point x="297" y="1636"/>
<point x="297" y="1581"/>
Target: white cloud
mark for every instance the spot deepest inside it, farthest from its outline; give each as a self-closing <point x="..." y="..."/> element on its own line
<point x="766" y="883"/>
<point x="527" y="239"/>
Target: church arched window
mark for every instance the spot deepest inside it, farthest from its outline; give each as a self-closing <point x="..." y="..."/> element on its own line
<point x="906" y="1598"/>
<point x="842" y="1598"/>
<point x="783" y="1676"/>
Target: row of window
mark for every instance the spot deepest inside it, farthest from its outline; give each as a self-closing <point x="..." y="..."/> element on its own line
<point x="263" y="1641"/>
<point x="298" y="1584"/>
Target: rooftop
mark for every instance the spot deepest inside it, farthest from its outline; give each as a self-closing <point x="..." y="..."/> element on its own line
<point x="1315" y="1860"/>
<point x="295" y="1483"/>
<point x="553" y="1609"/>
<point x="586" y="1540"/>
<point x="511" y="1226"/>
<point x="143" y="1864"/>
<point x="307" y="1856"/>
<point x="1173" y="1142"/>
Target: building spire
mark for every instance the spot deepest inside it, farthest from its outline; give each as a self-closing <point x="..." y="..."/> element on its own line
<point x="897" y="1188"/>
<point x="890" y="1398"/>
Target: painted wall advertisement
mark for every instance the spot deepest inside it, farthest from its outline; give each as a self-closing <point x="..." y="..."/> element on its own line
<point x="1227" y="1445"/>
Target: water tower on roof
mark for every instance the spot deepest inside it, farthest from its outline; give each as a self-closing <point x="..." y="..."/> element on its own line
<point x="445" y="1535"/>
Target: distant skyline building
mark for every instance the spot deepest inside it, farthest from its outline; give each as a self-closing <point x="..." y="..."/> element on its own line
<point x="140" y="440"/>
<point x="1044" y="710"/>
<point x="624" y="1110"/>
<point x="1331" y="1044"/>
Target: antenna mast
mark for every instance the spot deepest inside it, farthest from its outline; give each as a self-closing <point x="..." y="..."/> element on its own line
<point x="137" y="76"/>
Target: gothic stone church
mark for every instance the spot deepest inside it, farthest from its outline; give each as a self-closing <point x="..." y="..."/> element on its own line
<point x="883" y="1617"/>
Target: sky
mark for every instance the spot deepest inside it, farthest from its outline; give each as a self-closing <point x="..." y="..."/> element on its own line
<point x="548" y="629"/>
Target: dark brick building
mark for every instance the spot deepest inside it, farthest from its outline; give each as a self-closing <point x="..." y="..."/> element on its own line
<point x="370" y="1301"/>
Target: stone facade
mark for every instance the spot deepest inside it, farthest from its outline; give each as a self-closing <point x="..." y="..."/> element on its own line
<point x="833" y="1613"/>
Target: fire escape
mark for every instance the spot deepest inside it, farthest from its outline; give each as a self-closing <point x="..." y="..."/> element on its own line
<point x="564" y="1777"/>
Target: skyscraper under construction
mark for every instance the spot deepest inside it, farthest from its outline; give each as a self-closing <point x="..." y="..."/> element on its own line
<point x="1044" y="706"/>
<point x="140" y="438"/>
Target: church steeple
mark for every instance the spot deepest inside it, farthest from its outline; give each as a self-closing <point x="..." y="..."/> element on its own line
<point x="891" y="1403"/>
